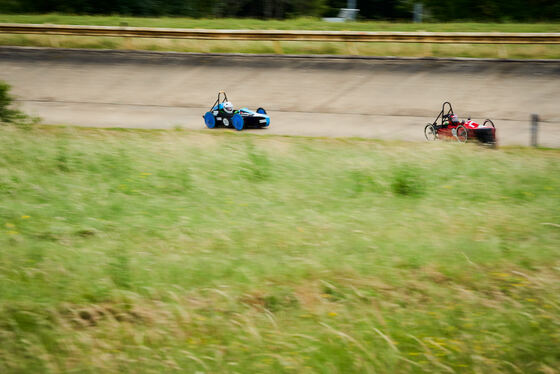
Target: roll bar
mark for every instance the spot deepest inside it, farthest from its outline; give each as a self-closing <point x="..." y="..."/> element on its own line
<point x="442" y="115"/>
<point x="220" y="93"/>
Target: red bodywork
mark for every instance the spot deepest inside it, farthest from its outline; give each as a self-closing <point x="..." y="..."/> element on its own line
<point x="484" y="134"/>
<point x="447" y="126"/>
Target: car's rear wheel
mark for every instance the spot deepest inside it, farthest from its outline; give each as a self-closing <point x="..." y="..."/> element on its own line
<point x="488" y="123"/>
<point x="461" y="134"/>
<point x="430" y="132"/>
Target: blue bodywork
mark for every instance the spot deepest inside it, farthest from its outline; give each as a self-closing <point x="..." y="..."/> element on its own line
<point x="258" y="114"/>
<point x="243" y="118"/>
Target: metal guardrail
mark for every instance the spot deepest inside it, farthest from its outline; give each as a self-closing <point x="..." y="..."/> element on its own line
<point x="286" y="35"/>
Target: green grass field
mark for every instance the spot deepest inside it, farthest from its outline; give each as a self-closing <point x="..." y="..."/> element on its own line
<point x="220" y="252"/>
<point x="366" y="49"/>
<point x="291" y="24"/>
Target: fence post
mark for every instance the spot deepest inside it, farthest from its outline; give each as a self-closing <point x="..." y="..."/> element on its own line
<point x="417" y="13"/>
<point x="534" y="129"/>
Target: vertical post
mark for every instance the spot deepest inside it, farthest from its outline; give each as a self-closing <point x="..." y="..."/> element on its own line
<point x="534" y="129"/>
<point x="417" y="17"/>
<point x="351" y="10"/>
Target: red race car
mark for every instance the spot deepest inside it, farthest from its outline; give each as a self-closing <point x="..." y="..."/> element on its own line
<point x="451" y="128"/>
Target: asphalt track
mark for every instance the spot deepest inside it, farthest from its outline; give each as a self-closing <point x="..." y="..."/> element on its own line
<point x="384" y="98"/>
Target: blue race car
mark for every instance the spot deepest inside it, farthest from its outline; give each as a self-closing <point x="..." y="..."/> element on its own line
<point x="222" y="114"/>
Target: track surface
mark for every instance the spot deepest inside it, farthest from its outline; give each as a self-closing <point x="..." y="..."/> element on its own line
<point x="319" y="96"/>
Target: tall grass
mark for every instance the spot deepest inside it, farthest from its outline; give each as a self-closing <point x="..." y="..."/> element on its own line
<point x="175" y="251"/>
<point x="321" y="48"/>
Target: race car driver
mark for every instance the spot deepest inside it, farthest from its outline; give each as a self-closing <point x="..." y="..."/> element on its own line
<point x="228" y="107"/>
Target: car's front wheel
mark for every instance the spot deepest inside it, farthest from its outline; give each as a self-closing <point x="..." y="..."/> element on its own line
<point x="237" y="122"/>
<point x="488" y="123"/>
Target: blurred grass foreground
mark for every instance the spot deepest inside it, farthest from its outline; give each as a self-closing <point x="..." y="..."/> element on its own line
<point x="214" y="252"/>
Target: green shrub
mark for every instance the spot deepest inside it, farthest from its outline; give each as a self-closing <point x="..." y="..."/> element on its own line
<point x="407" y="181"/>
<point x="6" y="114"/>
<point x="9" y="115"/>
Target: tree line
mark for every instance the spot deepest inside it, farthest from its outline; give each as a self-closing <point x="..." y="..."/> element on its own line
<point x="437" y="10"/>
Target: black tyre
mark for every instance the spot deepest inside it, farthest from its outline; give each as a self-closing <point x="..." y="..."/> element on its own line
<point x="430" y="132"/>
<point x="461" y="134"/>
<point x="489" y="123"/>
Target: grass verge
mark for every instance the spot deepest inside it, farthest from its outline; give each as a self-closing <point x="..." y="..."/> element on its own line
<point x="366" y="49"/>
<point x="356" y="49"/>
<point x="291" y="24"/>
<point x="177" y="251"/>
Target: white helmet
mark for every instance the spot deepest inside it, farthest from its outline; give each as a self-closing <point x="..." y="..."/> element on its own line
<point x="228" y="107"/>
